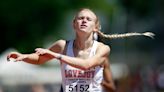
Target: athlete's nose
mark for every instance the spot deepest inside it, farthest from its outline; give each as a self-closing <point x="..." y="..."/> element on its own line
<point x="84" y="20"/>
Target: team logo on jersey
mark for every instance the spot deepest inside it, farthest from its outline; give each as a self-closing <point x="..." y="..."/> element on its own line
<point x="75" y="73"/>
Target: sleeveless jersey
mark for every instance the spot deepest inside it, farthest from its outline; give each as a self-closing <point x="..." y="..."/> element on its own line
<point x="77" y="80"/>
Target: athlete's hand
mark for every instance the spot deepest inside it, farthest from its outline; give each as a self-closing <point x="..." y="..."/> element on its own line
<point x="17" y="56"/>
<point x="41" y="51"/>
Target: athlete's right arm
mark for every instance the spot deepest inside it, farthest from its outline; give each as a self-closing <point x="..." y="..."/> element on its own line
<point x="34" y="58"/>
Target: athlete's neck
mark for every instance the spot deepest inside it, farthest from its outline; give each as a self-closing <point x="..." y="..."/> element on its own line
<point x="82" y="43"/>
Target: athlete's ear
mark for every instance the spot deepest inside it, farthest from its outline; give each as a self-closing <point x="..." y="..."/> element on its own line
<point x="95" y="29"/>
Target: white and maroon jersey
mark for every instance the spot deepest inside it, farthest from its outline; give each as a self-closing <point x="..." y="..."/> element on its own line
<point x="77" y="80"/>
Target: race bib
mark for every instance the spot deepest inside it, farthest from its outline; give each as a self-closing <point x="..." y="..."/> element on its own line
<point x="78" y="86"/>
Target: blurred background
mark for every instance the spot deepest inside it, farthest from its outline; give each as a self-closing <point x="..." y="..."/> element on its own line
<point x="136" y="62"/>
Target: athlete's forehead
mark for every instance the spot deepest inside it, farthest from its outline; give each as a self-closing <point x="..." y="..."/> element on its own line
<point x="86" y="13"/>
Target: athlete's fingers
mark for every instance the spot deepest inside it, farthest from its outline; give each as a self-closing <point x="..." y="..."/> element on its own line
<point x="8" y="56"/>
<point x="8" y="59"/>
<point x="40" y="51"/>
<point x="37" y="52"/>
<point x="12" y="55"/>
<point x="21" y="58"/>
<point x="37" y="49"/>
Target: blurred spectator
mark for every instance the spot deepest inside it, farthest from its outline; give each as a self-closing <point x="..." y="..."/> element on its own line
<point x="1" y="90"/>
<point x="160" y="78"/>
<point x="149" y="76"/>
<point x="136" y="81"/>
<point x="38" y="88"/>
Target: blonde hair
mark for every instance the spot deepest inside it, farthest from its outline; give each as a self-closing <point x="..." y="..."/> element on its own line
<point x="114" y="36"/>
<point x="98" y="33"/>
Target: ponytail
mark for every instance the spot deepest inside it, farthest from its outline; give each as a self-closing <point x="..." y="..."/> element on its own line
<point x="125" y="35"/>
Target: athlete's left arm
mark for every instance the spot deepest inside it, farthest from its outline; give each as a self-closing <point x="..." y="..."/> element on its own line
<point x="97" y="60"/>
<point x="108" y="82"/>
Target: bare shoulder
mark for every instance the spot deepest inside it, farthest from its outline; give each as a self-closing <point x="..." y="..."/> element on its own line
<point x="60" y="42"/>
<point x="58" y="46"/>
<point x="103" y="48"/>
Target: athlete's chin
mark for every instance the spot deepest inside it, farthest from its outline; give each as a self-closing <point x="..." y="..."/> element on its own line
<point x="83" y="30"/>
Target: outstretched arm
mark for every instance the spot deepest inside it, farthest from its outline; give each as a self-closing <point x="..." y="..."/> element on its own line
<point x="80" y="63"/>
<point x="34" y="58"/>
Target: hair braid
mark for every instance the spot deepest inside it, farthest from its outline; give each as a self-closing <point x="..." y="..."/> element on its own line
<point x="114" y="36"/>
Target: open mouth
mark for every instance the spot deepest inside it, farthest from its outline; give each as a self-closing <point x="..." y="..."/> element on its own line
<point x="83" y="26"/>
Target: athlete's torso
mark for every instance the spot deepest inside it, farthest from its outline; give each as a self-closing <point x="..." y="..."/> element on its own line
<point x="77" y="80"/>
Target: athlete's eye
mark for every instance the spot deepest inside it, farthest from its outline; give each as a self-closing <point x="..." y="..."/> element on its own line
<point x="80" y="18"/>
<point x="89" y="19"/>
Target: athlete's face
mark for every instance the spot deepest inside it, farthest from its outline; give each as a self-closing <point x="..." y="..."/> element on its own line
<point x="85" y="21"/>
